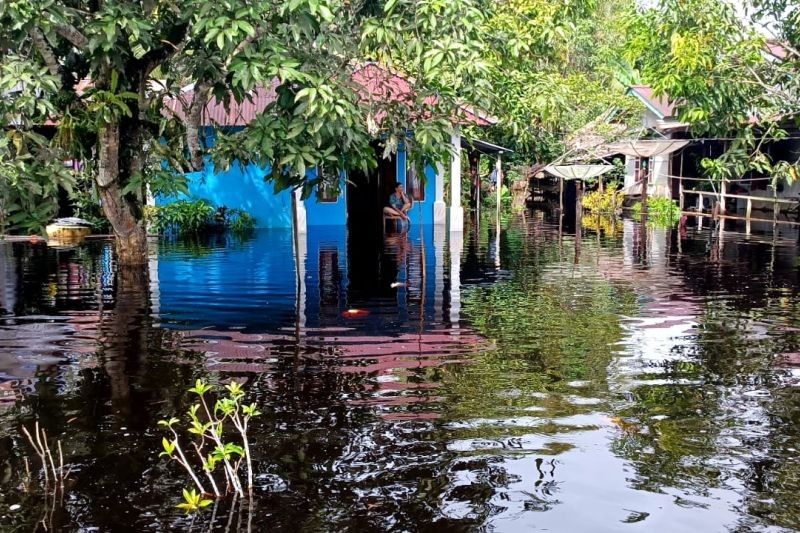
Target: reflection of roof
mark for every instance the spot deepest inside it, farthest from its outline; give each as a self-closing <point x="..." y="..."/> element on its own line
<point x="380" y="84"/>
<point x="386" y="359"/>
<point x="660" y="105"/>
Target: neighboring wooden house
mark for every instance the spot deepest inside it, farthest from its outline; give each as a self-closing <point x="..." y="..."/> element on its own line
<point x="658" y="117"/>
<point x="362" y="198"/>
<point x="679" y="175"/>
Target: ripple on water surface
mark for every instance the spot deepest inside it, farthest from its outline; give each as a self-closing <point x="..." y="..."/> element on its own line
<point x="551" y="382"/>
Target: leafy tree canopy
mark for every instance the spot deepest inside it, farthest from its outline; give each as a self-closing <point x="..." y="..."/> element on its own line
<point x="557" y="67"/>
<point x="732" y="72"/>
<point x="136" y="54"/>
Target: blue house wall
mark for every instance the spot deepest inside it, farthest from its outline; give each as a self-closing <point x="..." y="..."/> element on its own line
<point x="319" y="213"/>
<point x="422" y="212"/>
<point x="240" y="187"/>
<point x="244" y="187"/>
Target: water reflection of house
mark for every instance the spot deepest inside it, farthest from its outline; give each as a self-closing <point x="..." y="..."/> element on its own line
<point x="52" y="303"/>
<point x="251" y="309"/>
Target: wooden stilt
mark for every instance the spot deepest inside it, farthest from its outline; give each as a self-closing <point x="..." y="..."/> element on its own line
<point x="775" y="208"/>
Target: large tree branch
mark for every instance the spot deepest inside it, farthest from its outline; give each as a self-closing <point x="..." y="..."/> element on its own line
<point x="260" y="32"/>
<point x="771" y="89"/>
<point x="71" y="33"/>
<point x="194" y="116"/>
<point x="44" y="49"/>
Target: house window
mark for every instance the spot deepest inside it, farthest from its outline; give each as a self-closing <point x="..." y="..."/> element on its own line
<point x="328" y="187"/>
<point x="642" y="168"/>
<point x="414" y="186"/>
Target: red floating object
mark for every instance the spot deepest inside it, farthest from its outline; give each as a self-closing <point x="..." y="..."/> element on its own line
<point x="355" y="313"/>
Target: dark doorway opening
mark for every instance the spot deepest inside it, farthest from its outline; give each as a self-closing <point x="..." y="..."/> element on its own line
<point x="366" y="197"/>
<point x="367" y="194"/>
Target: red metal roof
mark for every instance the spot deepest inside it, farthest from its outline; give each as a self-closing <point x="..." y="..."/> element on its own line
<point x="661" y="103"/>
<point x="777" y="50"/>
<point x="216" y="114"/>
<point x="379" y="83"/>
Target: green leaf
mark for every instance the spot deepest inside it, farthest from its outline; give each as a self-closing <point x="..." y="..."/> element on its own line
<point x="389" y="6"/>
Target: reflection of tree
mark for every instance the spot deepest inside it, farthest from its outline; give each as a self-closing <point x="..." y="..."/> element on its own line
<point x="716" y="413"/>
<point x="548" y="328"/>
<point x="552" y="323"/>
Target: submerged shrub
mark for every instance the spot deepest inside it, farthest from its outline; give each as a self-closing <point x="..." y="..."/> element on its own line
<point x="215" y="447"/>
<point x="660" y="211"/>
<point x="240" y="221"/>
<point x="606" y="202"/>
<point x="192" y="217"/>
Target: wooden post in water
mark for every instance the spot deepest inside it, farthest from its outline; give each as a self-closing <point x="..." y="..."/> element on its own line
<point x="747" y="215"/>
<point x="478" y="203"/>
<point x="578" y="219"/>
<point x="680" y="184"/>
<point x="561" y="194"/>
<point x="722" y="190"/>
<point x="775" y="208"/>
<point x="645" y="184"/>
<point x="499" y="184"/>
<point x="474" y="158"/>
<point x="498" y="187"/>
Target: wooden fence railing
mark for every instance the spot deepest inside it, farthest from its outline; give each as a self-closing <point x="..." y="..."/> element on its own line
<point x="775" y="202"/>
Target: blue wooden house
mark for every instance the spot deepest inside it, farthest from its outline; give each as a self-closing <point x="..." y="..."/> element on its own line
<point x="363" y="197"/>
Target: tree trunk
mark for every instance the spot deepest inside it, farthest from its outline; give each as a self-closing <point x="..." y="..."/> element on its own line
<point x="194" y="117"/>
<point x="131" y="238"/>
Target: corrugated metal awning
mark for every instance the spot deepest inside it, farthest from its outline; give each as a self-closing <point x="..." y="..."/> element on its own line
<point x="483" y="146"/>
<point x="644" y="147"/>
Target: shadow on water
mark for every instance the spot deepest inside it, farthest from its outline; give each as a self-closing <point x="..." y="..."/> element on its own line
<point x="526" y="378"/>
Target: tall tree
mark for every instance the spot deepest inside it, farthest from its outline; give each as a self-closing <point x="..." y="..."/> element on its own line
<point x="555" y="68"/>
<point x="731" y="69"/>
<point x="101" y="70"/>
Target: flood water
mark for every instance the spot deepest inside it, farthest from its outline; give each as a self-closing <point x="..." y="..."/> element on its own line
<point x="626" y="378"/>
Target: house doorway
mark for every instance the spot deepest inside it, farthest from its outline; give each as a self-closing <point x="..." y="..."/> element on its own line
<point x="367" y="194"/>
<point x="366" y="197"/>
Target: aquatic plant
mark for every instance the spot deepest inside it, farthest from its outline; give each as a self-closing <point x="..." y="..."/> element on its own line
<point x="605" y="202"/>
<point x="660" y="211"/>
<point x="240" y="221"/>
<point x="192" y="217"/>
<point x="207" y="451"/>
<point x="183" y="217"/>
<point x="41" y="446"/>
<point x="193" y="501"/>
